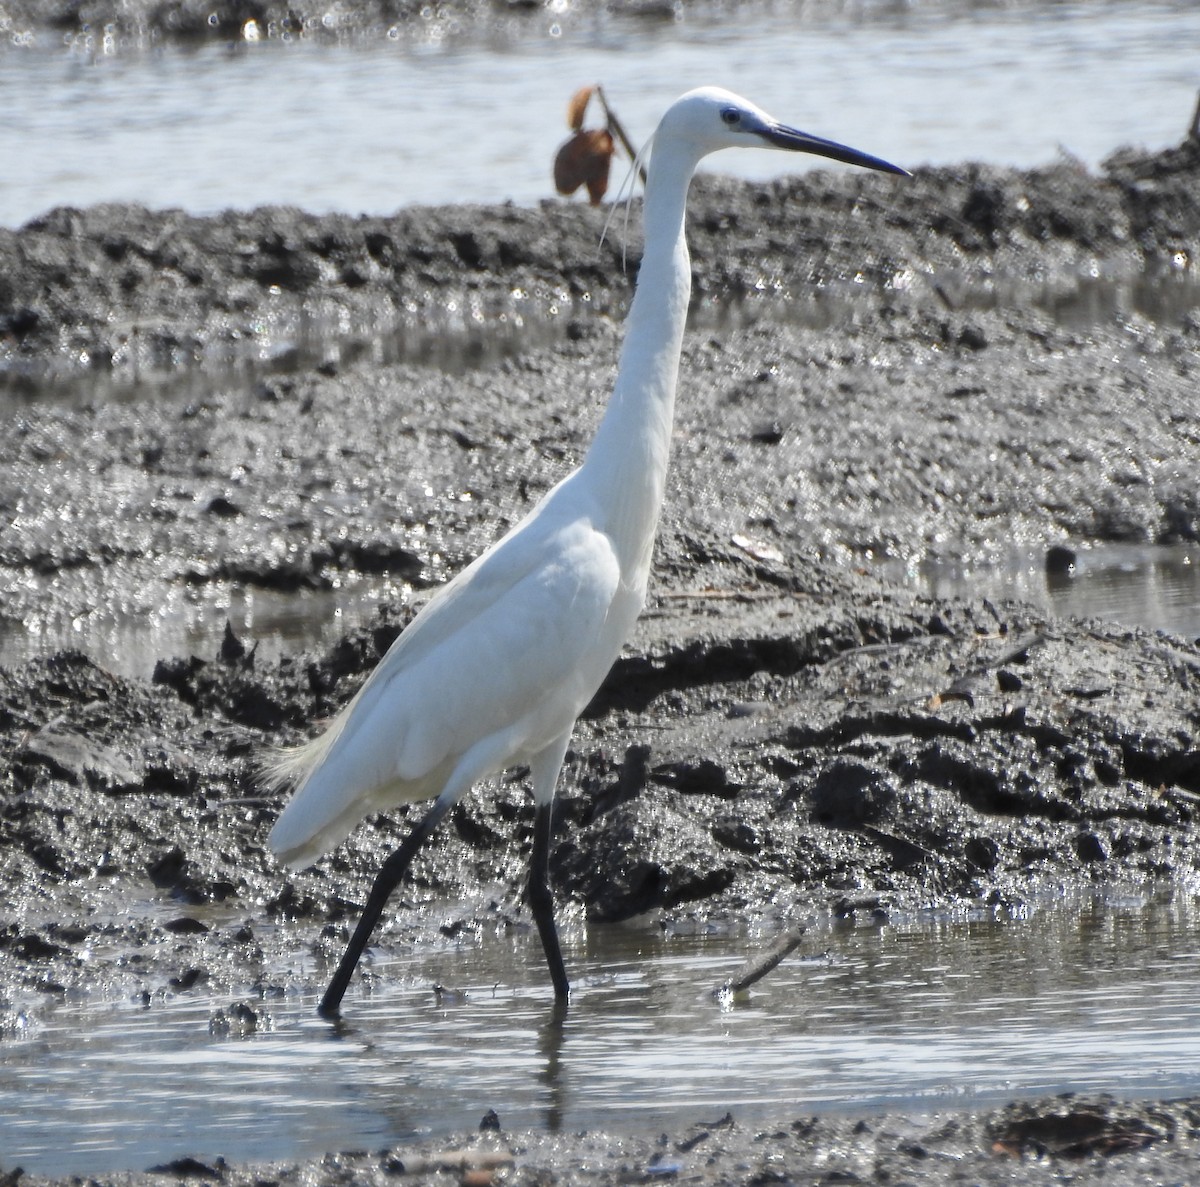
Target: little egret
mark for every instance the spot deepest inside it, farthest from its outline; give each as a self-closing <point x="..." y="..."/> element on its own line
<point x="493" y="672"/>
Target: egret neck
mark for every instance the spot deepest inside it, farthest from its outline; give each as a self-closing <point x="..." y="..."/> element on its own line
<point x="625" y="468"/>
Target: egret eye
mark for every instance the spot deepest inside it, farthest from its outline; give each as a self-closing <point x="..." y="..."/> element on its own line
<point x="731" y="117"/>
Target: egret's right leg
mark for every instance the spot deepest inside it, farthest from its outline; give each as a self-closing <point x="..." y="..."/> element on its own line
<point x="544" y="768"/>
<point x="388" y="878"/>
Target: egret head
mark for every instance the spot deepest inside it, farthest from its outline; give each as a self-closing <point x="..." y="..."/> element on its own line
<point x="709" y="118"/>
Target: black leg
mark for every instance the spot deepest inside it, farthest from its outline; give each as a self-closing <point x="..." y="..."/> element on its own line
<point x="541" y="902"/>
<point x="386" y="881"/>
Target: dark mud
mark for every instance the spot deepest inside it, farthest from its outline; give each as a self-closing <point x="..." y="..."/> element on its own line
<point x="128" y="291"/>
<point x="876" y="370"/>
<point x="1071" y="1139"/>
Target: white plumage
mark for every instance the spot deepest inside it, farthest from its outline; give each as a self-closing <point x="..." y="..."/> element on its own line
<point x="496" y="668"/>
<point x="490" y="673"/>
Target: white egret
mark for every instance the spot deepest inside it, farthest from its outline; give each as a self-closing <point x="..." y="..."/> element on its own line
<point x="493" y="672"/>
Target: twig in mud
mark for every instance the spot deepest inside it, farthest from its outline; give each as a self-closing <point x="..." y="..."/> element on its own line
<point x="963" y="688"/>
<point x="759" y="966"/>
<point x="880" y="649"/>
<point x="716" y="595"/>
<point x="459" y="1160"/>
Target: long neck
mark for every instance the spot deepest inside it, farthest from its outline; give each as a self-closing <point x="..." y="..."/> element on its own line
<point x="626" y="465"/>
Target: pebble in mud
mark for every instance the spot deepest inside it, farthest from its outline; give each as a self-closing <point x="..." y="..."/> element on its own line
<point x="240" y="1020"/>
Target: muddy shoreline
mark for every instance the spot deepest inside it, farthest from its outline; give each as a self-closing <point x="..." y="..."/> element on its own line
<point x="1078" y="1139"/>
<point x="874" y="371"/>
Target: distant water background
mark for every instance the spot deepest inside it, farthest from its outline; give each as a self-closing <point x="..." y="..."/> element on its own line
<point x="475" y="114"/>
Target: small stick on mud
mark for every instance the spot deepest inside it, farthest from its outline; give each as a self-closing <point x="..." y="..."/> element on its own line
<point x="460" y="1160"/>
<point x="1192" y="134"/>
<point x="759" y="966"/>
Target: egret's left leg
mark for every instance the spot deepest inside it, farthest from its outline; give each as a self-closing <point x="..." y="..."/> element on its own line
<point x="480" y="760"/>
<point x="545" y="768"/>
<point x="388" y="878"/>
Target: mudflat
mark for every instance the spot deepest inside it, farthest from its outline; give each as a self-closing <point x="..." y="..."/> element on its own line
<point x="876" y="369"/>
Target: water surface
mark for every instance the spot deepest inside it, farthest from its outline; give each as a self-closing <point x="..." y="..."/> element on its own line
<point x="384" y="124"/>
<point x="1078" y="996"/>
<point x="1147" y="585"/>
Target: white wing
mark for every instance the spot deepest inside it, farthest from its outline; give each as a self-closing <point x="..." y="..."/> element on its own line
<point x="502" y="661"/>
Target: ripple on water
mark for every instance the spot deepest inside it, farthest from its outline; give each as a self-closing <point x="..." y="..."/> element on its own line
<point x="1079" y="996"/>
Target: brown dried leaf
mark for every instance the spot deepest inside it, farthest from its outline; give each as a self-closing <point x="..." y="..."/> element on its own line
<point x="577" y="107"/>
<point x="584" y="160"/>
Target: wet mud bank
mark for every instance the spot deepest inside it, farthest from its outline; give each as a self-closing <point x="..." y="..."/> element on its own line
<point x="131" y="291"/>
<point x="1033" y="1142"/>
<point x="1069" y="1138"/>
<point x="874" y="372"/>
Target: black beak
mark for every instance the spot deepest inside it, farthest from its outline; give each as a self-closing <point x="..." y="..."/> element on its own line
<point x="782" y="136"/>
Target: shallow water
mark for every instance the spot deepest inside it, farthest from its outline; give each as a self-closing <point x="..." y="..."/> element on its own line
<point x="1154" y="587"/>
<point x="1077" y="996"/>
<point x="477" y="115"/>
<point x="1151" y="586"/>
